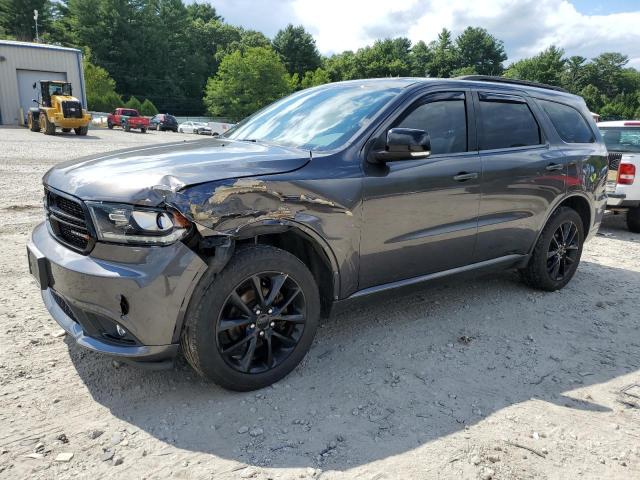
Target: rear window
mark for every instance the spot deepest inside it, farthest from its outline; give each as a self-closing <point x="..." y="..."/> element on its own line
<point x="129" y="113"/>
<point x="506" y="124"/>
<point x="621" y="139"/>
<point x="568" y="122"/>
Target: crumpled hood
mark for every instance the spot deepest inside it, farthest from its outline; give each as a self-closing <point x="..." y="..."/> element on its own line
<point x="147" y="175"/>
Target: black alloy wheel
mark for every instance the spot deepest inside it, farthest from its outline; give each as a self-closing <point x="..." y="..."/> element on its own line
<point x="261" y="322"/>
<point x="563" y="250"/>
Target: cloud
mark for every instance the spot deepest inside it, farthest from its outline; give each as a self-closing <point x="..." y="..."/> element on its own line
<point x="525" y="26"/>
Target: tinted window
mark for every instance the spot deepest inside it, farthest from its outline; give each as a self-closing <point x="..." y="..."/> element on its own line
<point x="446" y="123"/>
<point x="570" y="125"/>
<point x="506" y="125"/>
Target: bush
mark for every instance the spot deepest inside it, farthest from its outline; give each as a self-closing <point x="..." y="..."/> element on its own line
<point x="133" y="103"/>
<point x="106" y="103"/>
<point x="148" y="108"/>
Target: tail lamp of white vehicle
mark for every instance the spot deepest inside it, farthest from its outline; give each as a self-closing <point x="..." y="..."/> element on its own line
<point x="626" y="174"/>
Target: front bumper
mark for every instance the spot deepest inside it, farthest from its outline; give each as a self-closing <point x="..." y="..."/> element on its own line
<point x="62" y="122"/>
<point x="145" y="290"/>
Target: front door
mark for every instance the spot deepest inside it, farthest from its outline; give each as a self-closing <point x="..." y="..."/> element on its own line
<point x="420" y="215"/>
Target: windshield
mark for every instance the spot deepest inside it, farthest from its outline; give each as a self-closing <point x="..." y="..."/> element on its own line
<point x="621" y="139"/>
<point x="321" y="118"/>
<point x="59" y="89"/>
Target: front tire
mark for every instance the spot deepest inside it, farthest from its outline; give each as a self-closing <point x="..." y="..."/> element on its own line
<point x="557" y="253"/>
<point x="32" y="123"/>
<point x="251" y="324"/>
<point x="47" y="127"/>
<point x="110" y="125"/>
<point x="633" y="219"/>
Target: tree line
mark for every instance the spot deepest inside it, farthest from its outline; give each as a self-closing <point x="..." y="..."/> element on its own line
<point x="185" y="59"/>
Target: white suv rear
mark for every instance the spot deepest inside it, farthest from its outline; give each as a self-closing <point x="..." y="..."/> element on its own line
<point x="623" y="143"/>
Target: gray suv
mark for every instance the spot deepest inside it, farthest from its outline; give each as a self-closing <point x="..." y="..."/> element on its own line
<point x="230" y="249"/>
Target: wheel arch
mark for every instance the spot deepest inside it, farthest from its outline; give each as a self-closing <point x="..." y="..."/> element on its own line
<point x="577" y="202"/>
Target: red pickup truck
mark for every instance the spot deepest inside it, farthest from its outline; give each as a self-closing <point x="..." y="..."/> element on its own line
<point x="127" y="118"/>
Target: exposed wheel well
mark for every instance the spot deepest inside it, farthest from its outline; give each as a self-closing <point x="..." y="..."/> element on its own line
<point x="580" y="205"/>
<point x="311" y="254"/>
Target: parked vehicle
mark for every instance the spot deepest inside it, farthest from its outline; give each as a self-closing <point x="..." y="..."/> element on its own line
<point x="164" y="121"/>
<point x="623" y="142"/>
<point x="234" y="247"/>
<point x="57" y="108"/>
<point x="194" y="127"/>
<point x="128" y="119"/>
<point x="219" y="128"/>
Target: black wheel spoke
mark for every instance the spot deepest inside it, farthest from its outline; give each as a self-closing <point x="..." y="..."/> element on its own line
<point x="551" y="253"/>
<point x="269" y="351"/>
<point x="572" y="235"/>
<point x="239" y="303"/>
<point x="555" y="268"/>
<point x="573" y="247"/>
<point x="298" y="318"/>
<point x="245" y="361"/>
<point x="276" y="284"/>
<point x="257" y="287"/>
<point x="288" y="301"/>
<point x="229" y="324"/>
<point x="286" y="341"/>
<point x="235" y="346"/>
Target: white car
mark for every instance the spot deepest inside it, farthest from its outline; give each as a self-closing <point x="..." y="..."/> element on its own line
<point x="623" y="143"/>
<point x="194" y="127"/>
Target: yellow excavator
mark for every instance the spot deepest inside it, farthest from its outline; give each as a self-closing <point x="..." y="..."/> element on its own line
<point x="57" y="108"/>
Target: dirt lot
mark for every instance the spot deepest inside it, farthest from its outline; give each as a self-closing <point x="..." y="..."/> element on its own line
<point x="479" y="378"/>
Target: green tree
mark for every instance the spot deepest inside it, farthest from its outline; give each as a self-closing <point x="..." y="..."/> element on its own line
<point x="315" y="78"/>
<point x="421" y="57"/>
<point x="480" y="50"/>
<point x="100" y="87"/>
<point x="245" y="82"/>
<point x="298" y="50"/>
<point x="202" y="11"/>
<point x="445" y="56"/>
<point x="546" y="67"/>
<point x="573" y="76"/>
<point x="342" y="66"/>
<point x="16" y="18"/>
<point x="148" y="108"/>
<point x="593" y="97"/>
<point x="134" y="103"/>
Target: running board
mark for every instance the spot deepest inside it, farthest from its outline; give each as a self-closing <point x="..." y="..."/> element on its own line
<point x="506" y="261"/>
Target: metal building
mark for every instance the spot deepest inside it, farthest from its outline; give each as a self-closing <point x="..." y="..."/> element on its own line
<point x="22" y="64"/>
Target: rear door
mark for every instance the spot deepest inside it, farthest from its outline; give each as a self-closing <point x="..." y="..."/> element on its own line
<point x="522" y="173"/>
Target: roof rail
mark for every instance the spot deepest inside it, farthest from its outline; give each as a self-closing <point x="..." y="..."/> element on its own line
<point x="488" y="78"/>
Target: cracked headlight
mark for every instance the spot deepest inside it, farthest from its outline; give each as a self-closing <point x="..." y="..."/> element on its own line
<point x="120" y="223"/>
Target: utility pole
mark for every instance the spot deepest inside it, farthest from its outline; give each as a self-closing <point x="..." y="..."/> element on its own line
<point x="35" y="17"/>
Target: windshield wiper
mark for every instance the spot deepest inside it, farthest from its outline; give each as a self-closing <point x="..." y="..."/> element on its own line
<point x="253" y="140"/>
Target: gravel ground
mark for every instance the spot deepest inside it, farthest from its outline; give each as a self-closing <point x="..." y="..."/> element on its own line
<point x="468" y="378"/>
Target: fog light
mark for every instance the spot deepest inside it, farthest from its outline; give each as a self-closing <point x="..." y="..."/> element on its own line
<point x="121" y="331"/>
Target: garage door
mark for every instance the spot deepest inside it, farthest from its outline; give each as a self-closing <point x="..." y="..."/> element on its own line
<point x="26" y="78"/>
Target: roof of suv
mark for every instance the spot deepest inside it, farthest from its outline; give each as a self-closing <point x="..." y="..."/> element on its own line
<point x="477" y="81"/>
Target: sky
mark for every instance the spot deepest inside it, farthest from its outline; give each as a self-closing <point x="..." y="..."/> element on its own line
<point x="581" y="27"/>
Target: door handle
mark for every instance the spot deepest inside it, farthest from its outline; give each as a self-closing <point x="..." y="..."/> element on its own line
<point x="554" y="166"/>
<point x="464" y="176"/>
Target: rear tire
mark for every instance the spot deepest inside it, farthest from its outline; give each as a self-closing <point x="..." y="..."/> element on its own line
<point x="633" y="219"/>
<point x="32" y="123"/>
<point x="557" y="253"/>
<point x="82" y="131"/>
<point x="271" y="341"/>
<point x="47" y="127"/>
<point x="143" y="130"/>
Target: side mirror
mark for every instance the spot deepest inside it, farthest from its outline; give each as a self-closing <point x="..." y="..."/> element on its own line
<point x="34" y="85"/>
<point x="405" y="144"/>
<point x="34" y="100"/>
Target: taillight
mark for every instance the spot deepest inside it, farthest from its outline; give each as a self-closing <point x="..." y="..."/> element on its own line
<point x="626" y="173"/>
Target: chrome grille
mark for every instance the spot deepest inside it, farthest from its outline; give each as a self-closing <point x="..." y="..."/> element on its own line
<point x="68" y="222"/>
<point x="614" y="160"/>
